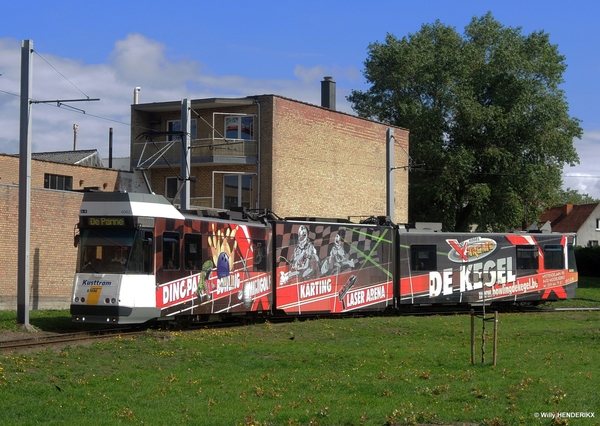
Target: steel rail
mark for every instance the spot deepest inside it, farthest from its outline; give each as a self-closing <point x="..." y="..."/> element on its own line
<point x="47" y="340"/>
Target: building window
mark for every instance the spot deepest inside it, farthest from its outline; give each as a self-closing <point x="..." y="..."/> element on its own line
<point x="175" y="126"/>
<point x="597" y="224"/>
<point x="592" y="243"/>
<point x="239" y="127"/>
<point x="237" y="191"/>
<point x="64" y="183"/>
<point x="172" y="185"/>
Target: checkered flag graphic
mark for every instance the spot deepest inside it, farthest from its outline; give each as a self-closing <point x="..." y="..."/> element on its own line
<point x="361" y="242"/>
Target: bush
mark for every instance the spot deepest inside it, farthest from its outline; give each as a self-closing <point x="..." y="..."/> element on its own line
<point x="588" y="261"/>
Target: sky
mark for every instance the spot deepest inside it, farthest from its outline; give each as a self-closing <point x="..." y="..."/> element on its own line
<point x="179" y="49"/>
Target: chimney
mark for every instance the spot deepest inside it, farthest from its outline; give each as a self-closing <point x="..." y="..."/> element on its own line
<point x="136" y="92"/>
<point x="75" y="129"/>
<point x="328" y="93"/>
<point x="568" y="208"/>
<point x="110" y="147"/>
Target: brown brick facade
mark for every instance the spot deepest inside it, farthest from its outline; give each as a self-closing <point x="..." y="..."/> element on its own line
<point x="52" y="257"/>
<point x="329" y="164"/>
<point x="83" y="177"/>
<point x="312" y="161"/>
<point x="53" y="217"/>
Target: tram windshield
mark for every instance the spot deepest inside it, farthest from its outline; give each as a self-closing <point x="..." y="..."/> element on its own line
<point x="114" y="251"/>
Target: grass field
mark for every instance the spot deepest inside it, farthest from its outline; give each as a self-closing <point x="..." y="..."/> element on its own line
<point x="361" y="371"/>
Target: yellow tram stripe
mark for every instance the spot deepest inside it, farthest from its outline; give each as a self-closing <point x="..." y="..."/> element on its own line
<point x="94" y="295"/>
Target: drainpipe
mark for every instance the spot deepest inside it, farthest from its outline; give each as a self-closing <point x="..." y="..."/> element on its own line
<point x="257" y="102"/>
<point x="390" y="187"/>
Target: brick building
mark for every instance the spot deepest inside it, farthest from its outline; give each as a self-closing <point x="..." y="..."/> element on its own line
<point x="266" y="152"/>
<point x="55" y="205"/>
<point x="271" y="152"/>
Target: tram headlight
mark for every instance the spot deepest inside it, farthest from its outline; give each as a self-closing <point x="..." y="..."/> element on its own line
<point x="113" y="300"/>
<point x="76" y="299"/>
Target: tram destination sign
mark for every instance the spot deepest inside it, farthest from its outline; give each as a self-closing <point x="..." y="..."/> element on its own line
<point x="106" y="221"/>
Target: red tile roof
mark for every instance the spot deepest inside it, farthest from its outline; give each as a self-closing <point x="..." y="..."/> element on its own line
<point x="568" y="218"/>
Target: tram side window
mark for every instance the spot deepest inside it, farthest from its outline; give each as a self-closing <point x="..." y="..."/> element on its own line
<point x="553" y="257"/>
<point x="192" y="244"/>
<point x="141" y="259"/>
<point x="170" y="250"/>
<point x="423" y="258"/>
<point x="260" y="255"/>
<point x="571" y="258"/>
<point x="527" y="257"/>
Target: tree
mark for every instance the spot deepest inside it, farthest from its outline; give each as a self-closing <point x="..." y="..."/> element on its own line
<point x="486" y="118"/>
<point x="571" y="196"/>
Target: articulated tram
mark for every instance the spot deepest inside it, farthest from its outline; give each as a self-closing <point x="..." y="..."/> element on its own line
<point x="141" y="259"/>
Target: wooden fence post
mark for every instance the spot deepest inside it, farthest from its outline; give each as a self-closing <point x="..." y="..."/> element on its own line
<point x="495" y="336"/>
<point x="472" y="336"/>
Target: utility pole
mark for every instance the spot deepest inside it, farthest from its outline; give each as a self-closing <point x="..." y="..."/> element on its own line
<point x="24" y="185"/>
<point x="25" y="180"/>
<point x="186" y="128"/>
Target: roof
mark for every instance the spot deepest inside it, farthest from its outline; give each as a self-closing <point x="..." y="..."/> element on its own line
<point x="232" y="102"/>
<point x="569" y="217"/>
<point x="195" y="104"/>
<point x="84" y="157"/>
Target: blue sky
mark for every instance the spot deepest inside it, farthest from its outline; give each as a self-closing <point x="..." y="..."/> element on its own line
<point x="180" y="49"/>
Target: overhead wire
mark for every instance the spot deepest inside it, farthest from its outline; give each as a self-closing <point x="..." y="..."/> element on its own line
<point x="61" y="74"/>
<point x="77" y="110"/>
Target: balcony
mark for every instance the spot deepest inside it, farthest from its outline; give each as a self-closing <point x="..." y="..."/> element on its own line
<point x="211" y="150"/>
<point x="222" y="151"/>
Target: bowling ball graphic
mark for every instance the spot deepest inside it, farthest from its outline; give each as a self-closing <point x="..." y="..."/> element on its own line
<point x="223" y="265"/>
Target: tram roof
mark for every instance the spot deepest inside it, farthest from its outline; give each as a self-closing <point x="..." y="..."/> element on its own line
<point x="127" y="204"/>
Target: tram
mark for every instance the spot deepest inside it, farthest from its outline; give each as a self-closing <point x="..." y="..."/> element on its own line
<point x="141" y="259"/>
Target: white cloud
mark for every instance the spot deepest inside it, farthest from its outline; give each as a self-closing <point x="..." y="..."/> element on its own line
<point x="140" y="61"/>
<point x="585" y="178"/>
<point x="135" y="61"/>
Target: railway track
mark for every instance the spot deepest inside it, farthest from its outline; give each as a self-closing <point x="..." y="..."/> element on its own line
<point x="47" y="340"/>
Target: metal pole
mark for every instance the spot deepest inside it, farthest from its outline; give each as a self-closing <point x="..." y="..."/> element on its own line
<point x="390" y="208"/>
<point x="186" y="127"/>
<point x="110" y="147"/>
<point x="24" y="185"/>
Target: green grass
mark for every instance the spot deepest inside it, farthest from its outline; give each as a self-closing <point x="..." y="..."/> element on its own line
<point x="58" y="321"/>
<point x="587" y="295"/>
<point x="361" y="371"/>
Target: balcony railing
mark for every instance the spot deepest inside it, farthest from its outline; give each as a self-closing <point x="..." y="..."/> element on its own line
<point x="147" y="154"/>
<point x="205" y="148"/>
